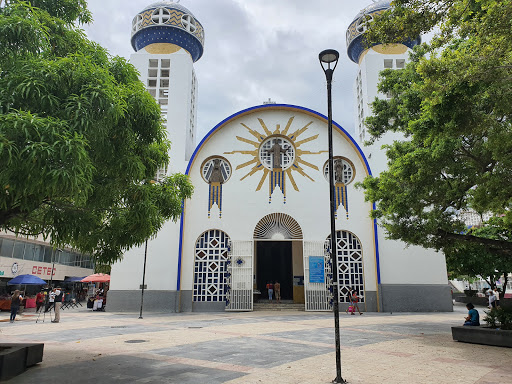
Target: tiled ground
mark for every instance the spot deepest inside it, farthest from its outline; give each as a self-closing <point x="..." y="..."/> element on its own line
<point x="257" y="347"/>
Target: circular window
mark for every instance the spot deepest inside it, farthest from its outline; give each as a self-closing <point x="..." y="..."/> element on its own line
<point x="188" y="23"/>
<point x="343" y="170"/>
<point x="277" y="152"/>
<point x="216" y="170"/>
<point x="160" y="16"/>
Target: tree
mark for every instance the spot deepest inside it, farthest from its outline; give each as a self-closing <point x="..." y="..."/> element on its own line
<point x="80" y="137"/>
<point x="453" y="103"/>
<point x="473" y="260"/>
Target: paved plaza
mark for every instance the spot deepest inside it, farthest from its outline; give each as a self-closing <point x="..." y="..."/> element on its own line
<point x="254" y="347"/>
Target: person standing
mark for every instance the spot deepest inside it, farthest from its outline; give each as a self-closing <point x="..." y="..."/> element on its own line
<point x="277" y="291"/>
<point x="39" y="300"/>
<point x="497" y="297"/>
<point x="492" y="299"/>
<point x="58" y="302"/>
<point x="16" y="299"/>
<point x="270" y="290"/>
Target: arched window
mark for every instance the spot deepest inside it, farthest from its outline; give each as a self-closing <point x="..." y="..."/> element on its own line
<point x="211" y="254"/>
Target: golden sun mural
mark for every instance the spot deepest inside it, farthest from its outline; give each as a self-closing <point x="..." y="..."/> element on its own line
<point x="277" y="154"/>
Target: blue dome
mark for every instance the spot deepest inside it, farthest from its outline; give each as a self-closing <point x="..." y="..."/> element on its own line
<point x="171" y="23"/>
<point x="355" y="45"/>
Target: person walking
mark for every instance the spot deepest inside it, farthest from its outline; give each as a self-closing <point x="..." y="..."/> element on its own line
<point x="277" y="291"/>
<point x="270" y="290"/>
<point x="58" y="302"/>
<point x="354" y="299"/>
<point x="16" y="299"/>
<point x="51" y="300"/>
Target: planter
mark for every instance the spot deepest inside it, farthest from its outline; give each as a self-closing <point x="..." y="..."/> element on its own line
<point x="482" y="335"/>
<point x="15" y="358"/>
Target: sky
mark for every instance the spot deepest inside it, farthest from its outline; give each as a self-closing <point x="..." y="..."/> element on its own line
<point x="254" y="50"/>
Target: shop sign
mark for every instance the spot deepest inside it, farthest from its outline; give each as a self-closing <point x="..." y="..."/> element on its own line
<point x="42" y="271"/>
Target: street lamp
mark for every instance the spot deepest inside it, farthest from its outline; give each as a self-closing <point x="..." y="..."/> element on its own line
<point x="329" y="61"/>
<point x="143" y="279"/>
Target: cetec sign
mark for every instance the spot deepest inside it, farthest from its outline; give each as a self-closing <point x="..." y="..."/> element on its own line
<point x="43" y="271"/>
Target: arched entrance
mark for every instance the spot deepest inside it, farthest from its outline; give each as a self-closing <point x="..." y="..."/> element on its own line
<point x="278" y="256"/>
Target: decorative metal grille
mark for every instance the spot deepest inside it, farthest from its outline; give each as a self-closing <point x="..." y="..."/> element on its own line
<point x="207" y="168"/>
<point x="349" y="255"/>
<point x="318" y="296"/>
<point x="210" y="266"/>
<point x="277" y="225"/>
<point x="287" y="156"/>
<point x="239" y="277"/>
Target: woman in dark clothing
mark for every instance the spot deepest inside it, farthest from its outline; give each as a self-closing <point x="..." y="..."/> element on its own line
<point x="15" y="304"/>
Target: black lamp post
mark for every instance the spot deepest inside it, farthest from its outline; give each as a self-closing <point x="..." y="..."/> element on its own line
<point x="329" y="61"/>
<point x="143" y="279"/>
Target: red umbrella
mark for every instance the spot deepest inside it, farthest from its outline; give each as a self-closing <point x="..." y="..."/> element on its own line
<point x="96" y="278"/>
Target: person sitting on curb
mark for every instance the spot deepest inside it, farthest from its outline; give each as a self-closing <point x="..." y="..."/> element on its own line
<point x="473" y="317"/>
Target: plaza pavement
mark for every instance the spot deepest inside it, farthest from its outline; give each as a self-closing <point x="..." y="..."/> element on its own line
<point x="254" y="347"/>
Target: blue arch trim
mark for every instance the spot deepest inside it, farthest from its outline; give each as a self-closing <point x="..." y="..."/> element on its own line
<point x="270" y="107"/>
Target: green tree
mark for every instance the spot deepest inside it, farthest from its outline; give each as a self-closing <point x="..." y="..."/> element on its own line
<point x="80" y="138"/>
<point x="473" y="260"/>
<point x="453" y="103"/>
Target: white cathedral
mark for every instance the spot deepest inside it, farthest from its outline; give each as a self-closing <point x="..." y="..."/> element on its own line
<point x="260" y="208"/>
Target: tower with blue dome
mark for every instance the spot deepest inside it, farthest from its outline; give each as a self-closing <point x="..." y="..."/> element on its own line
<point x="168" y="39"/>
<point x="409" y="275"/>
<point x="371" y="61"/>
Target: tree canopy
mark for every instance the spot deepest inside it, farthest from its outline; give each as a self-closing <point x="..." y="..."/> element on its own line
<point x="453" y="103"/>
<point x="80" y="138"/>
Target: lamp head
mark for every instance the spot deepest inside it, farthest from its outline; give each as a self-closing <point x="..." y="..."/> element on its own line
<point x="327" y="58"/>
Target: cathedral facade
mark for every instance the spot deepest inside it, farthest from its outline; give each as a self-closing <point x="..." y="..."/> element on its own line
<point x="260" y="211"/>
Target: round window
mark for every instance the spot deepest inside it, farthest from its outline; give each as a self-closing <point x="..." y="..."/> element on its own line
<point x="343" y="170"/>
<point x="277" y="152"/>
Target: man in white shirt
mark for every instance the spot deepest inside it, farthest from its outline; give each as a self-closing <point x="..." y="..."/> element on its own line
<point x="58" y="302"/>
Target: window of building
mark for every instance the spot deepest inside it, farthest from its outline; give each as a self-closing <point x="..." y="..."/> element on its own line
<point x="400" y="63"/>
<point x="388" y="63"/>
<point x="188" y="23"/>
<point x="160" y="16"/>
<point x="6" y="248"/>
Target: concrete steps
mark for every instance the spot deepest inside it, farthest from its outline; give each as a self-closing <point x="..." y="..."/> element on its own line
<point x="274" y="306"/>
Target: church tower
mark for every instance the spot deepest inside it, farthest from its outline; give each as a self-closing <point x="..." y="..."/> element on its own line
<point x="371" y="62"/>
<point x="408" y="274"/>
<point x="168" y="40"/>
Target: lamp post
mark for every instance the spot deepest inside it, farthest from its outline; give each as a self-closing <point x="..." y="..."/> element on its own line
<point x="143" y="279"/>
<point x="329" y="61"/>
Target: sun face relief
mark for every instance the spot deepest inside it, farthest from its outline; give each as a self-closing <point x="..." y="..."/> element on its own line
<point x="277" y="154"/>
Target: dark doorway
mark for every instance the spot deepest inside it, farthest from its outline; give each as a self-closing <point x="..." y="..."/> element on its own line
<point x="274" y="262"/>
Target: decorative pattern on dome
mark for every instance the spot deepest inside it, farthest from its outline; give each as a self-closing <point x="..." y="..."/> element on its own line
<point x="355" y="46"/>
<point x="167" y="22"/>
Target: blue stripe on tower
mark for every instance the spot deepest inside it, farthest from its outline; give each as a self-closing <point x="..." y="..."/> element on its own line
<point x="220" y="200"/>
<point x="209" y="200"/>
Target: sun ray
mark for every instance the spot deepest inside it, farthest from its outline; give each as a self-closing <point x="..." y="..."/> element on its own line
<point x="285" y="132"/>
<point x="264" y="127"/>
<point x="301" y="171"/>
<point x="289" y="173"/>
<point x="248" y="141"/>
<point x="255" y="169"/>
<point x="299" y="132"/>
<point x="254" y="153"/>
<point x="256" y="134"/>
<point x="278" y="130"/>
<point x="265" y="174"/>
<point x="255" y="160"/>
<point x="299" y="143"/>
<point x="299" y="160"/>
<point x="302" y="152"/>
